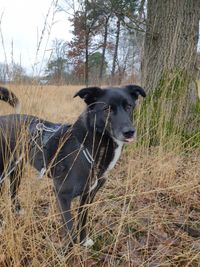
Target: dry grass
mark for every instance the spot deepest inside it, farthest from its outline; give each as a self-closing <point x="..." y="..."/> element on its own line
<point x="198" y="84"/>
<point x="133" y="217"/>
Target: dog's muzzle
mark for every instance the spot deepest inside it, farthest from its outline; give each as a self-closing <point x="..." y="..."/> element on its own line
<point x="128" y="135"/>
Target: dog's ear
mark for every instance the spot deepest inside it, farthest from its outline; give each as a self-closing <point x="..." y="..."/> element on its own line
<point x="90" y="94"/>
<point x="135" y="91"/>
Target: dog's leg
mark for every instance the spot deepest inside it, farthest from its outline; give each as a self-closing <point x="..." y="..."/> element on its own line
<point x="2" y="223"/>
<point x="64" y="200"/>
<point x="15" y="180"/>
<point x="1" y="182"/>
<point x="83" y="213"/>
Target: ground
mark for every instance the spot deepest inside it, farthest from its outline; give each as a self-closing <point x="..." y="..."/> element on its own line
<point x="148" y="213"/>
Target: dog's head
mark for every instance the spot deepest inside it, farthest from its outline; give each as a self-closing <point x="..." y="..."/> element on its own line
<point x="110" y="110"/>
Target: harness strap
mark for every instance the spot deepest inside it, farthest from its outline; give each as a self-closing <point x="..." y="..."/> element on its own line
<point x="88" y="156"/>
<point x="90" y="160"/>
<point x="41" y="127"/>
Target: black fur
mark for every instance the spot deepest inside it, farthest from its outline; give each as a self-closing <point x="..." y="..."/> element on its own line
<point x="9" y="97"/>
<point x="102" y="127"/>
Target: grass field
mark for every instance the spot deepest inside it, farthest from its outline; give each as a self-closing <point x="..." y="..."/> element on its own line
<point x="198" y="84"/>
<point x="134" y="218"/>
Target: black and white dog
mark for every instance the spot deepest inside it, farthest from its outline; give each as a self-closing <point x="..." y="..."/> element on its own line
<point x="77" y="157"/>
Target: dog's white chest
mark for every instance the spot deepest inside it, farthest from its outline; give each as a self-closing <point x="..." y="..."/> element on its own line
<point x="117" y="154"/>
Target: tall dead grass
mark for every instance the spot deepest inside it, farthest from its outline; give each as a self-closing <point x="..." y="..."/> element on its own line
<point x="134" y="218"/>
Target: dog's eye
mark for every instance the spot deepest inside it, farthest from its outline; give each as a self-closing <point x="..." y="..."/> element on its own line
<point x="128" y="107"/>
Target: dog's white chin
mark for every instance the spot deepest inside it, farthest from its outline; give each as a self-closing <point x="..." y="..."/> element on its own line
<point x="128" y="140"/>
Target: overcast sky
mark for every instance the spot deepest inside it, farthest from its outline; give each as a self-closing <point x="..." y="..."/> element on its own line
<point x="22" y="22"/>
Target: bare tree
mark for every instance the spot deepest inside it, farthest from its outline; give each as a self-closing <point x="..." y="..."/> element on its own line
<point x="3" y="72"/>
<point x="118" y="26"/>
<point x="57" y="65"/>
<point x="104" y="45"/>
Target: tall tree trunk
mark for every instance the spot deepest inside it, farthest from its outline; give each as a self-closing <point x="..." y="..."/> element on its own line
<point x="168" y="71"/>
<point x="104" y="49"/>
<point x="171" y="38"/>
<point x="87" y="36"/>
<point x="86" y="59"/>
<point x="116" y="49"/>
<point x="141" y="9"/>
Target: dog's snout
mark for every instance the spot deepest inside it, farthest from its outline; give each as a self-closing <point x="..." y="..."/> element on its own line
<point x="129" y="133"/>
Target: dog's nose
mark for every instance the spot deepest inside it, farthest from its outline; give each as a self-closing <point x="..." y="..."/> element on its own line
<point x="129" y="133"/>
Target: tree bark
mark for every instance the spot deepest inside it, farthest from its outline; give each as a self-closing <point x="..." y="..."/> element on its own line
<point x="86" y="59"/>
<point x="116" y="49"/>
<point x="171" y="39"/>
<point x="104" y="49"/>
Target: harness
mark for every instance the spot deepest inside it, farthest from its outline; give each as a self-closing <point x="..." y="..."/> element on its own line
<point x="45" y="134"/>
